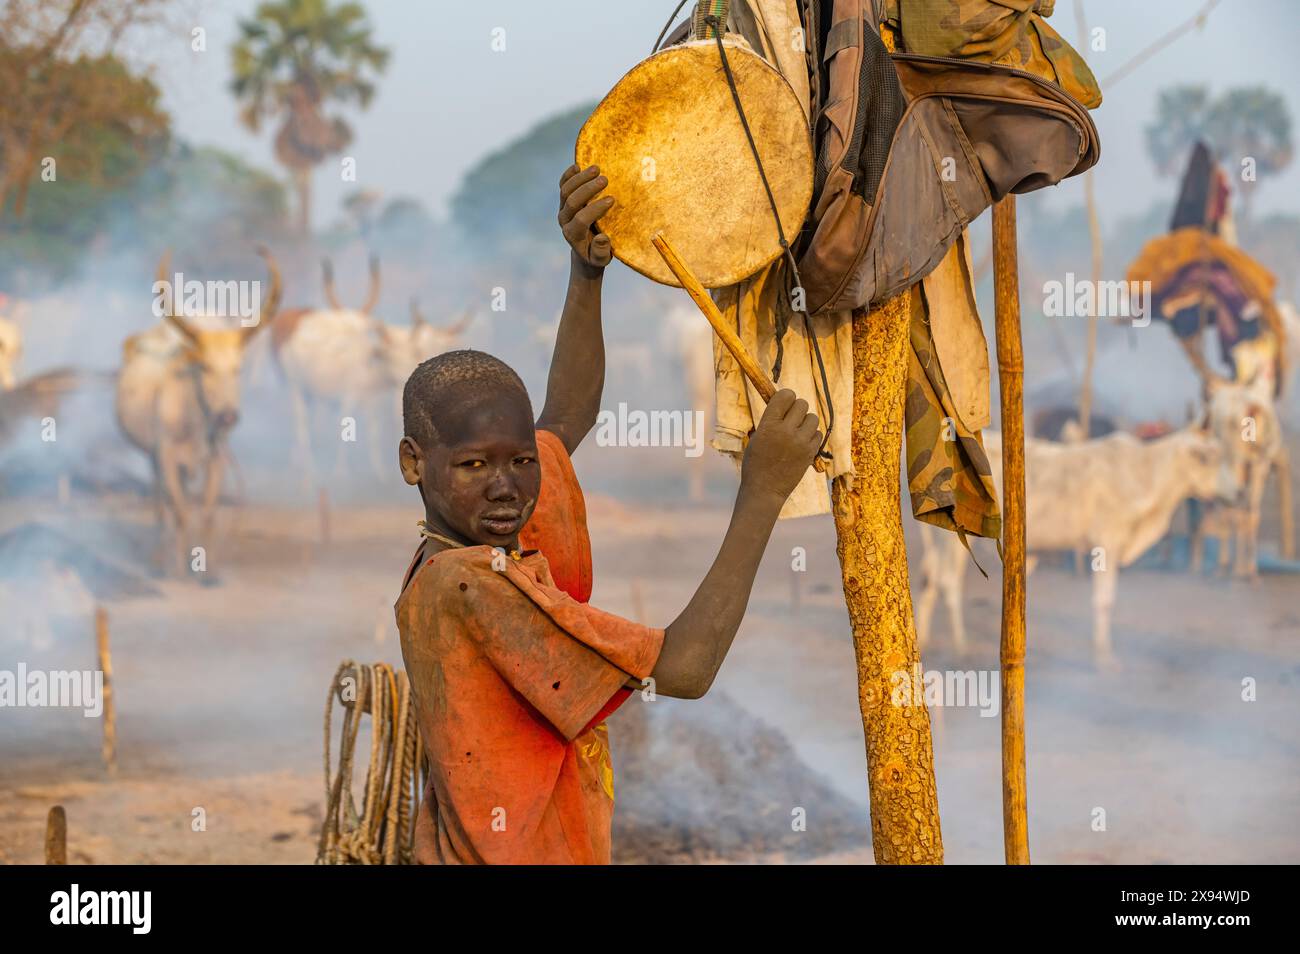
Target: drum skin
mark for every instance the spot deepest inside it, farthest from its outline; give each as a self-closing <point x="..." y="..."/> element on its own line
<point x="670" y="142"/>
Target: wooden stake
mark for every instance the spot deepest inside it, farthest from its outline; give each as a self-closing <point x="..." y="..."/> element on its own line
<point x="1287" y="521"/>
<point x="1090" y="354"/>
<point x="757" y="377"/>
<point x="873" y="563"/>
<point x="1011" y="373"/>
<point x="56" y="837"/>
<point x="1094" y="233"/>
<point x="109" y="750"/>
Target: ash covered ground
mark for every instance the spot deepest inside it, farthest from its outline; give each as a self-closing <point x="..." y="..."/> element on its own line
<point x="221" y="689"/>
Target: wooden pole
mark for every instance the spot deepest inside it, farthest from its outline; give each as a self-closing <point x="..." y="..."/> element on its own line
<point x="109" y="750"/>
<point x="1094" y="233"/>
<point x="56" y="837"/>
<point x="1011" y="373"/>
<point x="1090" y="355"/>
<point x="757" y="377"/>
<point x="1287" y="521"/>
<point x="873" y="564"/>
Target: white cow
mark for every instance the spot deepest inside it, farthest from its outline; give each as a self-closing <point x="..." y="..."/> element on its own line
<point x="1112" y="496"/>
<point x="1244" y="419"/>
<point x="349" y="360"/>
<point x="178" y="399"/>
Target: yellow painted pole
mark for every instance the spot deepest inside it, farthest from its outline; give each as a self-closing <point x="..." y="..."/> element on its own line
<point x="873" y="564"/>
<point x="1011" y="374"/>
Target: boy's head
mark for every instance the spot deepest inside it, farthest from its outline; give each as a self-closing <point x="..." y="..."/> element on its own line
<point x="470" y="446"/>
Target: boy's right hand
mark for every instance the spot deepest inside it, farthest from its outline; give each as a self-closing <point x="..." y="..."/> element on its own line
<point x="579" y="212"/>
<point x="782" y="447"/>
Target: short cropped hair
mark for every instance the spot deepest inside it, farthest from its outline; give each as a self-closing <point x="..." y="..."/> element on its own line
<point x="450" y="382"/>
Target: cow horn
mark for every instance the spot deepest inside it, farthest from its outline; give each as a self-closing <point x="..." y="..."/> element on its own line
<point x="177" y="322"/>
<point x="271" y="305"/>
<point x="327" y="275"/>
<point x="462" y="323"/>
<point x="372" y="298"/>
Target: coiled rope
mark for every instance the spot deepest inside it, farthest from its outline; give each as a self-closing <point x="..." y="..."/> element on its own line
<point x="383" y="831"/>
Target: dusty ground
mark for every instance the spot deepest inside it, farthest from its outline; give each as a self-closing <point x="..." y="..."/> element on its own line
<point x="221" y="692"/>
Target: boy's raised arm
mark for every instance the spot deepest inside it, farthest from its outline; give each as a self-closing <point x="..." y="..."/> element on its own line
<point x="780" y="451"/>
<point x="577" y="375"/>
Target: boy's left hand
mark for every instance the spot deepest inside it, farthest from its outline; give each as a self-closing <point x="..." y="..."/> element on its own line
<point x="579" y="213"/>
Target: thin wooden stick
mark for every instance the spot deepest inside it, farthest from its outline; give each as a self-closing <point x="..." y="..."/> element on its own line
<point x="56" y="837"/>
<point x="1011" y="373"/>
<point x="1094" y="233"/>
<point x="109" y="750"/>
<point x="762" y="383"/>
<point x="1287" y="521"/>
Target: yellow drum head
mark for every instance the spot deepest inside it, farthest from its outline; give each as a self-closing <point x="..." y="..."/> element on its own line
<point x="670" y="141"/>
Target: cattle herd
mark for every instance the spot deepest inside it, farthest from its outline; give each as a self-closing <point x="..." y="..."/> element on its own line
<point x="1110" y="499"/>
<point x="1107" y="499"/>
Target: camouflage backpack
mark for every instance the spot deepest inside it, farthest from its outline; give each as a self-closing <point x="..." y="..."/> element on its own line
<point x="926" y="112"/>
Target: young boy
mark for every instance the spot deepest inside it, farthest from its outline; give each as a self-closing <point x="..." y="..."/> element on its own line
<point x="512" y="672"/>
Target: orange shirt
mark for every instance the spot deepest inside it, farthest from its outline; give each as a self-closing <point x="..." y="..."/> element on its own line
<point x="512" y="675"/>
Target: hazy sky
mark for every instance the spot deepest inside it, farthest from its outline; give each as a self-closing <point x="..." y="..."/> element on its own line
<point x="448" y="98"/>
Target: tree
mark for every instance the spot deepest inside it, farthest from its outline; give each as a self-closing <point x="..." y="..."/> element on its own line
<point x="1249" y="123"/>
<point x="294" y="58"/>
<point x="513" y="192"/>
<point x="205" y="204"/>
<point x="69" y="99"/>
<point x="1179" y="125"/>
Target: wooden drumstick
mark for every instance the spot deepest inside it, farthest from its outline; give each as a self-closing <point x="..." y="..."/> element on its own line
<point x="762" y="383"/>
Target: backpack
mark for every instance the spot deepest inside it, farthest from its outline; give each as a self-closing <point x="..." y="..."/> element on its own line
<point x="912" y="146"/>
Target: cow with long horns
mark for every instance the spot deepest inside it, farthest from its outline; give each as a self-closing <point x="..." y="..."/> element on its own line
<point x="348" y="359"/>
<point x="178" y="397"/>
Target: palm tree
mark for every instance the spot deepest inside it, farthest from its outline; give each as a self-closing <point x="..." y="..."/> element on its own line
<point x="1250" y="123"/>
<point x="293" y="58"/>
<point x="1179" y="125"/>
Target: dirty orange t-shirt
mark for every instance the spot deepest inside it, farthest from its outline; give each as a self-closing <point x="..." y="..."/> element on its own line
<point x="513" y="674"/>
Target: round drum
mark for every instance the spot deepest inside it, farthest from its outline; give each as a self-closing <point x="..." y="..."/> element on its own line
<point x="670" y="141"/>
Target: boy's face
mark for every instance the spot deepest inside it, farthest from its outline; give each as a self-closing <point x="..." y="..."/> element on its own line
<point x="481" y="479"/>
